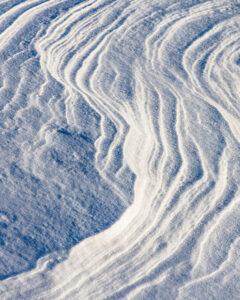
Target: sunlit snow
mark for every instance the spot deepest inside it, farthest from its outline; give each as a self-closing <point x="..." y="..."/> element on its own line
<point x="120" y="149"/>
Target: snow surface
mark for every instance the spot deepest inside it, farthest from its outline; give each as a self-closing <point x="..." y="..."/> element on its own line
<point x="120" y="149"/>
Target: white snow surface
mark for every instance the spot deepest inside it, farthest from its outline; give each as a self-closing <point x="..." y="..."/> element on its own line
<point x="120" y="149"/>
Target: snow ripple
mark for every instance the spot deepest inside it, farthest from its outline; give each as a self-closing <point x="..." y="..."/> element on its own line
<point x="120" y="144"/>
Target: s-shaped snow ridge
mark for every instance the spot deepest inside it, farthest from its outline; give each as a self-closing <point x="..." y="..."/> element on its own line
<point x="147" y="93"/>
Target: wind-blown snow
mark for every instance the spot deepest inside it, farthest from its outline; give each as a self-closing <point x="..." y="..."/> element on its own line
<point x="120" y="149"/>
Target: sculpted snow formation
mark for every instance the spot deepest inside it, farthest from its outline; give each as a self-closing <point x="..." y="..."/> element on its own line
<point x="120" y="149"/>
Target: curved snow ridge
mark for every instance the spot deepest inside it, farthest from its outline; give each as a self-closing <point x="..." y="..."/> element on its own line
<point x="51" y="190"/>
<point x="125" y="117"/>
